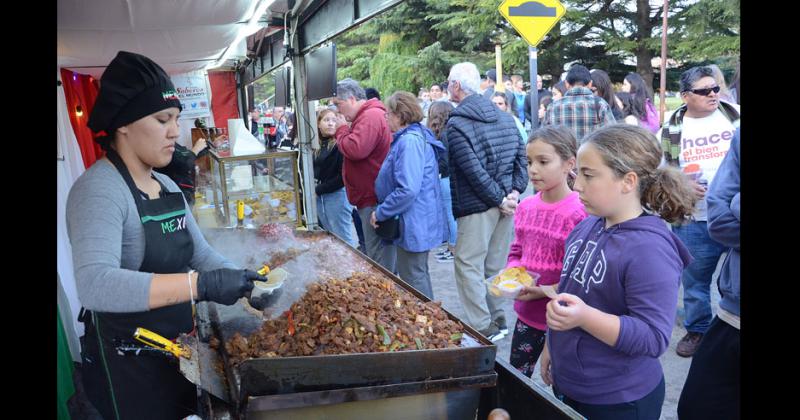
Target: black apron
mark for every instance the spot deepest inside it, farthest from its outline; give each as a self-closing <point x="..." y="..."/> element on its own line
<point x="148" y="385"/>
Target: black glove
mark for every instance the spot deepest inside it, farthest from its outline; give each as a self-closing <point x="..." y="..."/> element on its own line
<point x="226" y="285"/>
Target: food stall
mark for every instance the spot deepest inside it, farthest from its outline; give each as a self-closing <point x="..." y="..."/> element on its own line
<point x="448" y="372"/>
<point x="435" y="375"/>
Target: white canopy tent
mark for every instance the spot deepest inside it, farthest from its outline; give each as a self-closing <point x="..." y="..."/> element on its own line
<point x="180" y="35"/>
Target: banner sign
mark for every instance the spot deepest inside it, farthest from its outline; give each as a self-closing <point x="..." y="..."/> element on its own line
<point x="192" y="93"/>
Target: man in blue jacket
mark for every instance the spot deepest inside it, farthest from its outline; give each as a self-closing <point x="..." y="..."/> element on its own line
<point x="712" y="385"/>
<point x="488" y="171"/>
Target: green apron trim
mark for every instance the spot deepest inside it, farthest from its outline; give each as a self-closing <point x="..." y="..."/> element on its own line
<point x="163" y="216"/>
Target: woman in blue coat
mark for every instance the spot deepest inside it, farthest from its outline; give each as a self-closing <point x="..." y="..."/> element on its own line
<point x="407" y="187"/>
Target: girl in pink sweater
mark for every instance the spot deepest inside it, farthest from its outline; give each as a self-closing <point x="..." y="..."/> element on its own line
<point x="541" y="225"/>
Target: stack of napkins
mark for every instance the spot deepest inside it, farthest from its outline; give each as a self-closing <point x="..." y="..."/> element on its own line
<point x="242" y="142"/>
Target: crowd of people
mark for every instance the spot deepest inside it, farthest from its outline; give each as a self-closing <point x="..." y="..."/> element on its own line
<point x="620" y="218"/>
<point x="623" y="214"/>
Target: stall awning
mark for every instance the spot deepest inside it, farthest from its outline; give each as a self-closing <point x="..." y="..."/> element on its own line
<point x="180" y="35"/>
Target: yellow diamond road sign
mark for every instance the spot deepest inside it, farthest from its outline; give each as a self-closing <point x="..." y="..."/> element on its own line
<point x="532" y="19"/>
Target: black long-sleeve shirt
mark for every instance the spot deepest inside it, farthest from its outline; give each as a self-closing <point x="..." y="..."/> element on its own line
<point x="328" y="169"/>
<point x="181" y="170"/>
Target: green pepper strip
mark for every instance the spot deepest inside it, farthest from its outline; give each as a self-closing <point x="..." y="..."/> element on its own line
<point x="419" y="343"/>
<point x="386" y="339"/>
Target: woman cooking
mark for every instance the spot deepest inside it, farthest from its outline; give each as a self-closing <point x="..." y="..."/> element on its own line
<point x="133" y="245"/>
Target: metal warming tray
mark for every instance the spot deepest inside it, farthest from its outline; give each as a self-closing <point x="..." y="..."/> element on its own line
<point x="280" y="382"/>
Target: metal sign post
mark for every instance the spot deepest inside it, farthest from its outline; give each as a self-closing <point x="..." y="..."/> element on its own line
<point x="532" y="55"/>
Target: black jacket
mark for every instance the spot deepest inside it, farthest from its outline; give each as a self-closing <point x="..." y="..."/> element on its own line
<point x="328" y="169"/>
<point x="486" y="154"/>
<point x="181" y="170"/>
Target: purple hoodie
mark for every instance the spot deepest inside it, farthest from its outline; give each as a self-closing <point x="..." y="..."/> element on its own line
<point x="631" y="270"/>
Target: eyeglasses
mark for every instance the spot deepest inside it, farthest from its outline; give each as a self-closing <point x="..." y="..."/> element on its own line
<point x="704" y="91"/>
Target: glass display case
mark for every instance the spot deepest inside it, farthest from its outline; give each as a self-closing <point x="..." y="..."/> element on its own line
<point x="267" y="183"/>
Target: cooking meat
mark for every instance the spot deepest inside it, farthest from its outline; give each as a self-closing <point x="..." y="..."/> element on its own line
<point x="363" y="313"/>
<point x="275" y="231"/>
<point x="280" y="257"/>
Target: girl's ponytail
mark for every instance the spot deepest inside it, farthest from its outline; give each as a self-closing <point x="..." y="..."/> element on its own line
<point x="571" y="177"/>
<point x="669" y="194"/>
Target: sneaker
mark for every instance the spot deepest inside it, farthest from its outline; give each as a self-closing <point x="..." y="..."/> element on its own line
<point x="444" y="250"/>
<point x="447" y="256"/>
<point x="501" y="324"/>
<point x="493" y="333"/>
<point x="689" y="344"/>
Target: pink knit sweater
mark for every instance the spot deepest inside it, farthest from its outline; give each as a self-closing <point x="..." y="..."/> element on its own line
<point x="540" y="230"/>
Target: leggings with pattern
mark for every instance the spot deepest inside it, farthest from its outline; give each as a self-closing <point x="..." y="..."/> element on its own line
<point x="527" y="344"/>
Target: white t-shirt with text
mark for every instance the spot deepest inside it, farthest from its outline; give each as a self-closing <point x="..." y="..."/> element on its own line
<point x="704" y="143"/>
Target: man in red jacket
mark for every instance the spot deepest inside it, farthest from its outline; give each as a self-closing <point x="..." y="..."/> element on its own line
<point x="364" y="143"/>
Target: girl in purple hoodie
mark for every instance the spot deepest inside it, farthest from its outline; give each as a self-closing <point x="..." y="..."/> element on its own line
<point x="618" y="290"/>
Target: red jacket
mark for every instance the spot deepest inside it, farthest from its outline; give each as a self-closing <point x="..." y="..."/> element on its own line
<point x="364" y="145"/>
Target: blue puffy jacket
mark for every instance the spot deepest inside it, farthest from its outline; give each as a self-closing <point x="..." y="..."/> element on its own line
<point x="487" y="156"/>
<point x="408" y="185"/>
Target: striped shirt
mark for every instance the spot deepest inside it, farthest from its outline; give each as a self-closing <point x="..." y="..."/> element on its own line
<point x="581" y="111"/>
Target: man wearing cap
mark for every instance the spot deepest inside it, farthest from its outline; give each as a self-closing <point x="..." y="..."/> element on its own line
<point x="136" y="247"/>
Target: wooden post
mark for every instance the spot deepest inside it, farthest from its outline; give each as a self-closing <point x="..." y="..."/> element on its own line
<point x="498" y="64"/>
